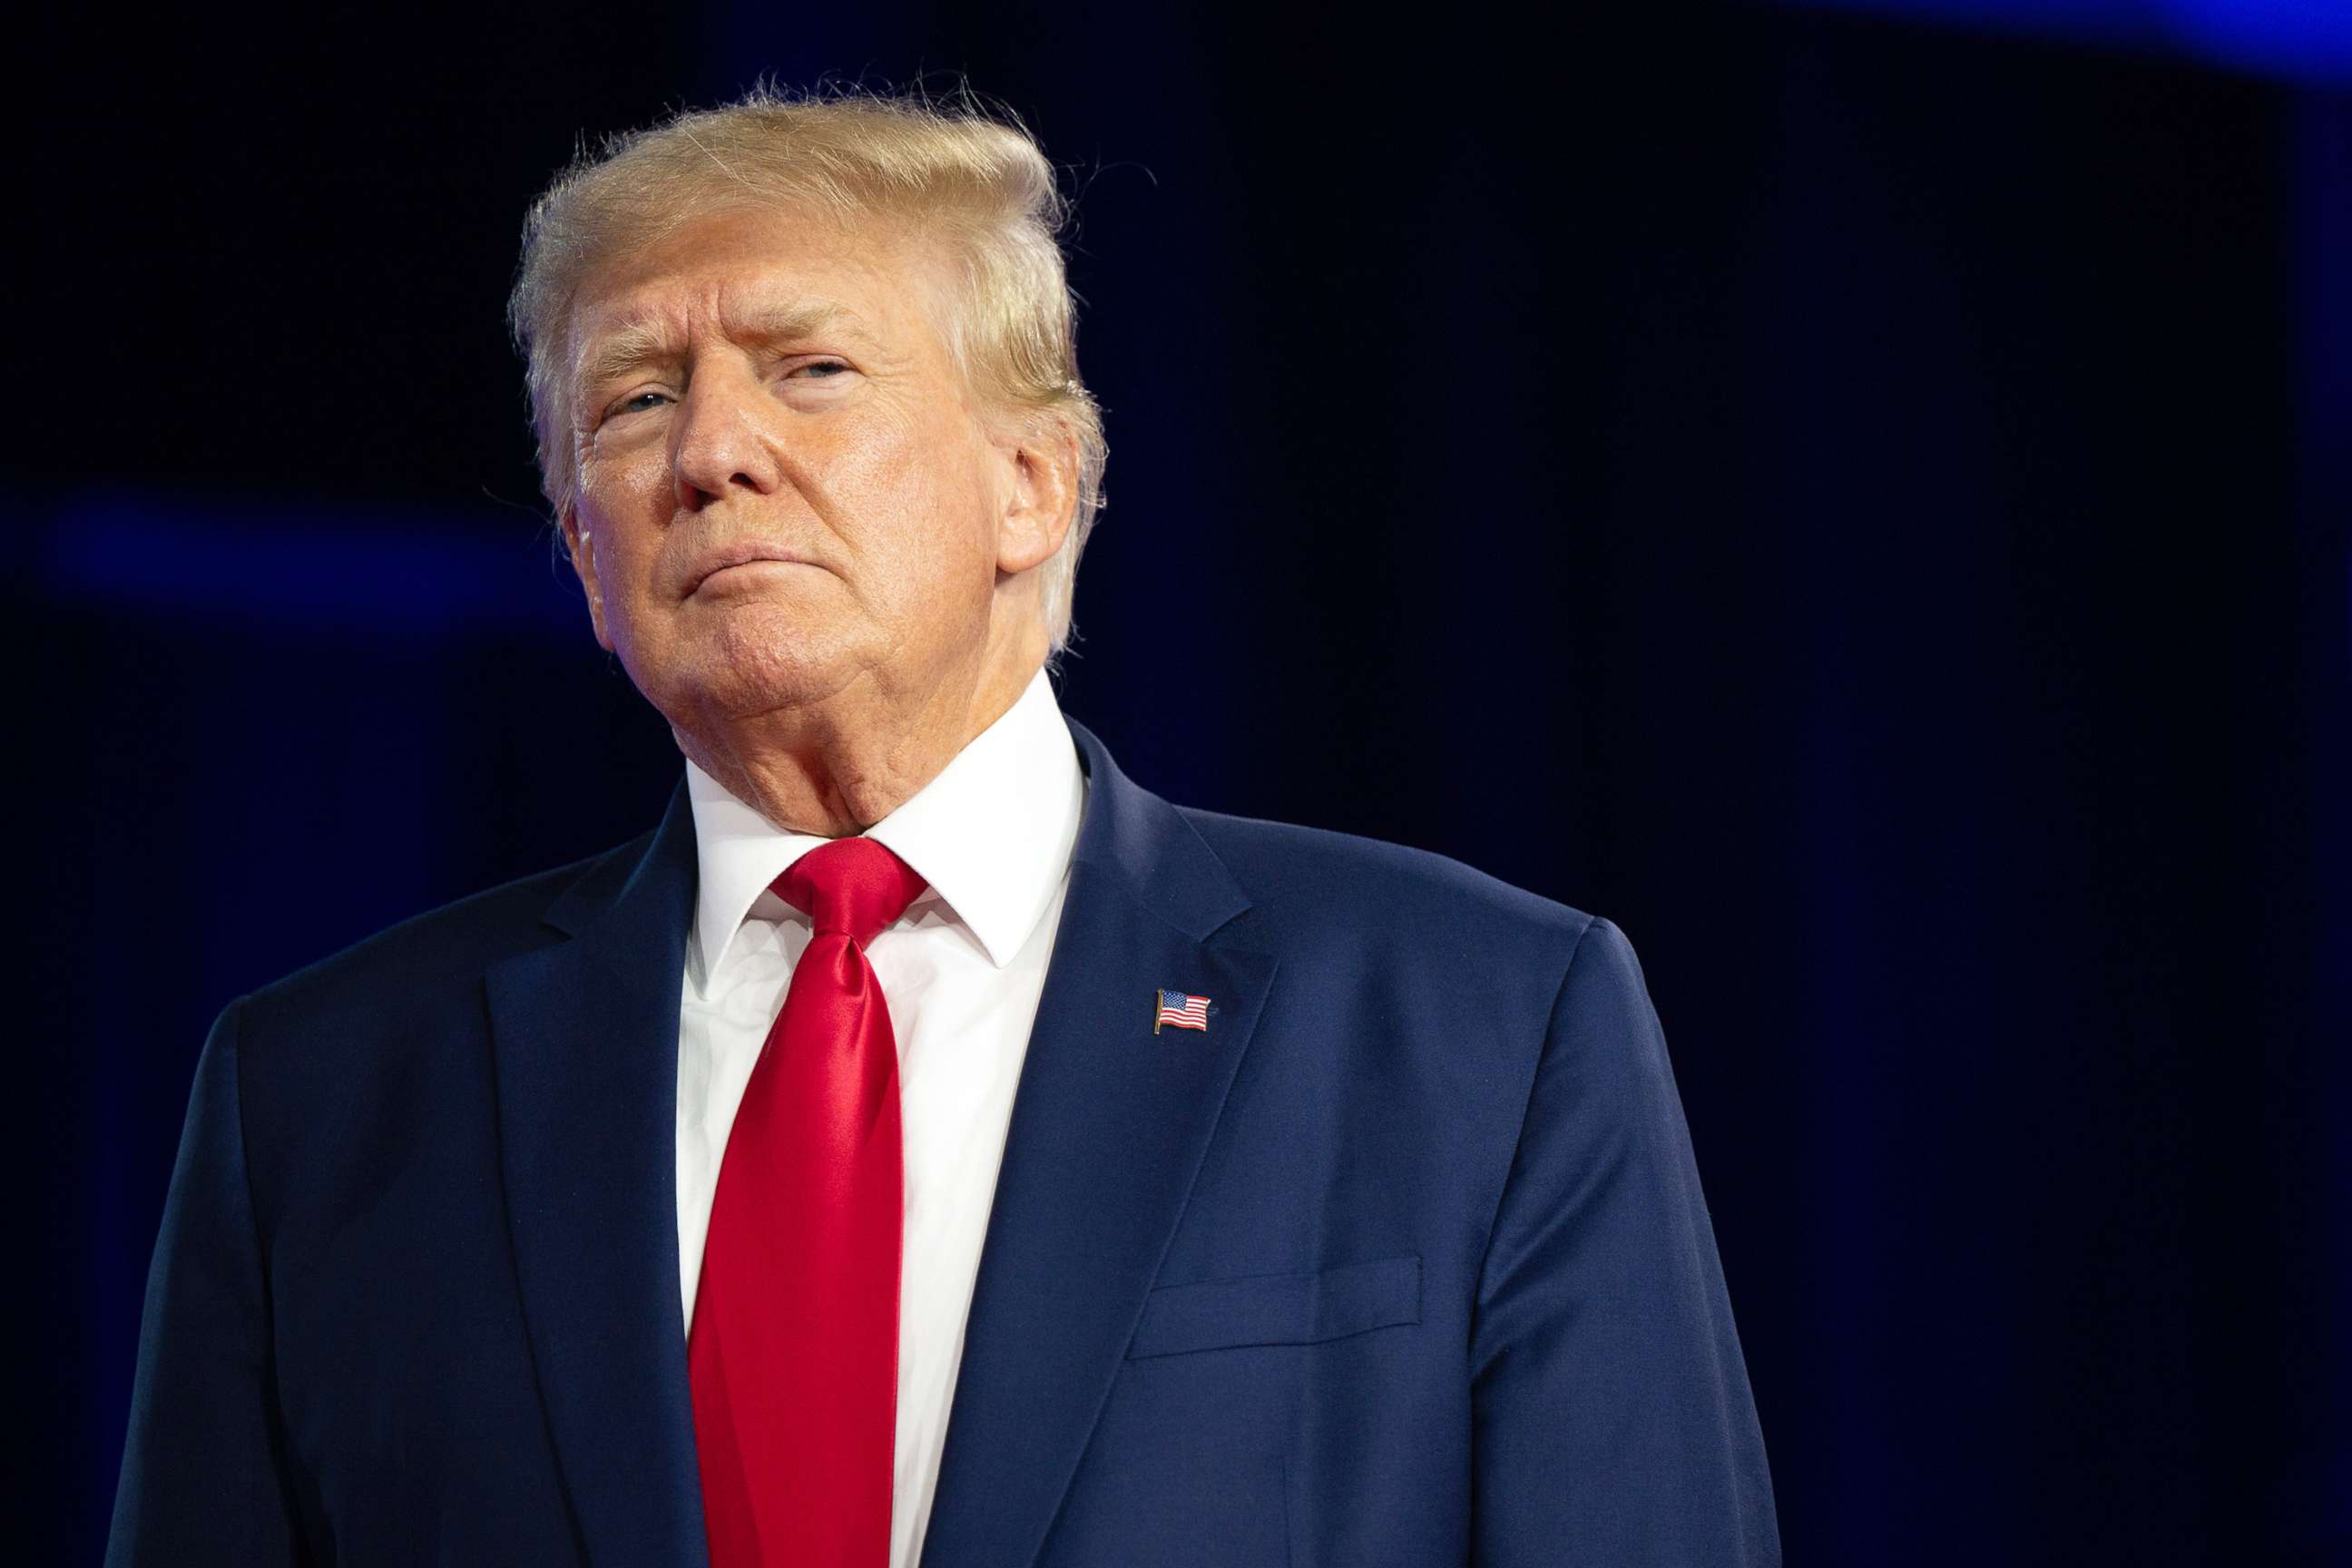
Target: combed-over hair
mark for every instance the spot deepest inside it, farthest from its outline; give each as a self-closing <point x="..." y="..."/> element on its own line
<point x="973" y="179"/>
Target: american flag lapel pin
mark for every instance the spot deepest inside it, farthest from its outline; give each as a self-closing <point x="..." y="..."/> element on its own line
<point x="1178" y="1009"/>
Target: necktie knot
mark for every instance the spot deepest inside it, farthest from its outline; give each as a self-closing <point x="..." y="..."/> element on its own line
<point x="852" y="886"/>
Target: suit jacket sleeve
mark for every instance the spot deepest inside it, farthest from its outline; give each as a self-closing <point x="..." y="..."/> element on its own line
<point x="1610" y="1415"/>
<point x="203" y="1478"/>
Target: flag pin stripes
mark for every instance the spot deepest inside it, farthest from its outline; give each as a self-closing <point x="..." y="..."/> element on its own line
<point x="1180" y="1010"/>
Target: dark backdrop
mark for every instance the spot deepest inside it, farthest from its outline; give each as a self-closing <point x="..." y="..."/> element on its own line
<point x="1861" y="504"/>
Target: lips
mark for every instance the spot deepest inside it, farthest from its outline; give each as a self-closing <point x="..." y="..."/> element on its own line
<point x="741" y="553"/>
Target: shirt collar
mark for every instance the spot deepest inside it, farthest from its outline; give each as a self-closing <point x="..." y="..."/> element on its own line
<point x="992" y="834"/>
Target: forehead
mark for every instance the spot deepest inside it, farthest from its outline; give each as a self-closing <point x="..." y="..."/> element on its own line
<point x="763" y="272"/>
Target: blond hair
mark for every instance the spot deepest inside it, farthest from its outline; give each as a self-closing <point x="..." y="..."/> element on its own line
<point x="973" y="177"/>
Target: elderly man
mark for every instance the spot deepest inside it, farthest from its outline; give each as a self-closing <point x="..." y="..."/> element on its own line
<point x="925" y="1144"/>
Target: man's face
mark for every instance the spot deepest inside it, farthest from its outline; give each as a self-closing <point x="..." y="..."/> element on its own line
<point x="785" y="488"/>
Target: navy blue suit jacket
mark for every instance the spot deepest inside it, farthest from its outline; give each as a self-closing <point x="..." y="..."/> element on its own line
<point x="1403" y="1261"/>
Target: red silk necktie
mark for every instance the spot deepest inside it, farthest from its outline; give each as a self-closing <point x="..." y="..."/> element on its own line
<point x="793" y="1355"/>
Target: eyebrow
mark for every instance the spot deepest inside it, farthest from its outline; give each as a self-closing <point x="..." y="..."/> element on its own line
<point x="632" y="345"/>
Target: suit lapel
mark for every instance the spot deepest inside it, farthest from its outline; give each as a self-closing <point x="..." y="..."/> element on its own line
<point x="1109" y="1125"/>
<point x="584" y="1033"/>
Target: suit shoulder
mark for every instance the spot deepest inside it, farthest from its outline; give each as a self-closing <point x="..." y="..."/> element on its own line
<point x="452" y="944"/>
<point x="1294" y="873"/>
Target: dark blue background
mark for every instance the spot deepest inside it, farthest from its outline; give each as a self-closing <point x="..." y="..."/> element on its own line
<point x="1860" y="502"/>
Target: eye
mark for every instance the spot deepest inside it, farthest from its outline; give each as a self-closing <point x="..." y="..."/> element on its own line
<point x="635" y="402"/>
<point x="819" y="369"/>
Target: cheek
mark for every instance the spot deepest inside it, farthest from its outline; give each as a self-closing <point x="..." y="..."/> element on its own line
<point x="630" y="487"/>
<point x="622" y="505"/>
<point x="918" y="497"/>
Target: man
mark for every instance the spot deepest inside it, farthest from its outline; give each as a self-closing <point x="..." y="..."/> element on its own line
<point x="925" y="1144"/>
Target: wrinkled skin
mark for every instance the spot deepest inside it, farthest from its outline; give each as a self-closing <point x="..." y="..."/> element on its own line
<point x="808" y="542"/>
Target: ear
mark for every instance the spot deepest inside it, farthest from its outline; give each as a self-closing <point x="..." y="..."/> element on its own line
<point x="582" y="547"/>
<point x="1041" y="461"/>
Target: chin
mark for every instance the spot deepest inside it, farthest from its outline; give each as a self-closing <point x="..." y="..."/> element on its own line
<point x="755" y="663"/>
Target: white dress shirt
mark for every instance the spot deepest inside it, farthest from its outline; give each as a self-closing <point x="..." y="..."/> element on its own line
<point x="961" y="972"/>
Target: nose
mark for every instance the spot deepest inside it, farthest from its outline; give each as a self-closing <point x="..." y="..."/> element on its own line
<point x="721" y="441"/>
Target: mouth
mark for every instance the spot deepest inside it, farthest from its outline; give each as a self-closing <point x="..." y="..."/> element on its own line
<point x="735" y="559"/>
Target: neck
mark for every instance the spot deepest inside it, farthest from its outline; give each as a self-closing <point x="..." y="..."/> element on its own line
<point x="837" y="766"/>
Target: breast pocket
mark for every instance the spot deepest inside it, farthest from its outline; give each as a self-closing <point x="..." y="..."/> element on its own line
<point x="1279" y="1309"/>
